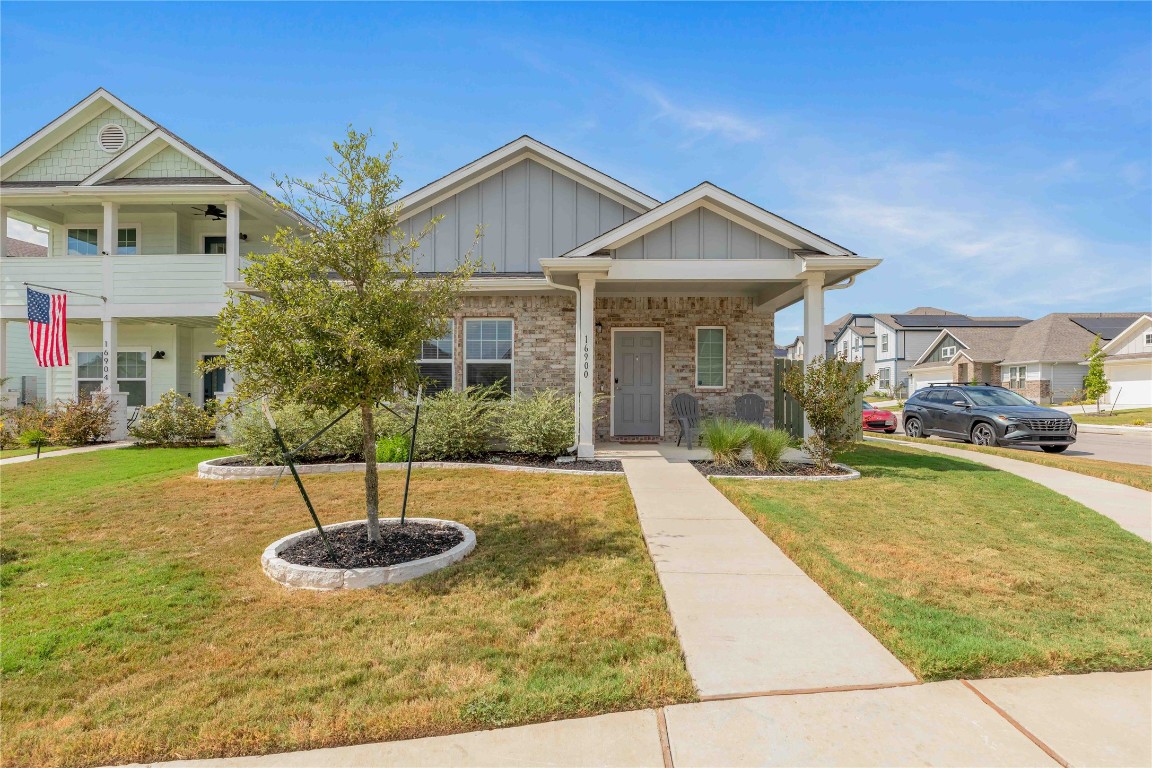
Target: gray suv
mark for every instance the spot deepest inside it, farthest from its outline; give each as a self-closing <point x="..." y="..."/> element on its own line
<point x="986" y="415"/>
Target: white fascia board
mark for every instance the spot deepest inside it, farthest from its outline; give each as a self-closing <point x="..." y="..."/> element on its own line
<point x="702" y="270"/>
<point x="143" y="150"/>
<point x="828" y="263"/>
<point x="507" y="156"/>
<point x="1137" y="327"/>
<point x="507" y="285"/>
<point x="721" y="202"/>
<point x="92" y="105"/>
<point x="932" y="346"/>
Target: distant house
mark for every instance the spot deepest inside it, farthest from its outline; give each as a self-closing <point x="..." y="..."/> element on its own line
<point x="795" y="350"/>
<point x="1128" y="365"/>
<point x="855" y="340"/>
<point x="964" y="354"/>
<point x="22" y="249"/>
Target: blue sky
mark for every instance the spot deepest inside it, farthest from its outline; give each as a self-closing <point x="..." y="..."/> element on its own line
<point x="996" y="156"/>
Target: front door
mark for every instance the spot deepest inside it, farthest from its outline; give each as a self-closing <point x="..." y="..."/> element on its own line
<point x="636" y="370"/>
<point x="213" y="380"/>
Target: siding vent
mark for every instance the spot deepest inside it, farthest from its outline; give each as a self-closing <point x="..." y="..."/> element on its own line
<point x="112" y="138"/>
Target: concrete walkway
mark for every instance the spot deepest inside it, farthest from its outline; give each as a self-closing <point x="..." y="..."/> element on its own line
<point x="1102" y="719"/>
<point x="1130" y="507"/>
<point x="66" y="452"/>
<point x="749" y="620"/>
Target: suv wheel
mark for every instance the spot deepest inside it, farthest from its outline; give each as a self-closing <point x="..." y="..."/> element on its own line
<point x="912" y="427"/>
<point x="983" y="434"/>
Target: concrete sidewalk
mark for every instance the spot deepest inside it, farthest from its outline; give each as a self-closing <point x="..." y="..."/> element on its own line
<point x="1130" y="507"/>
<point x="1102" y="719"/>
<point x="66" y="452"/>
<point x="749" y="620"/>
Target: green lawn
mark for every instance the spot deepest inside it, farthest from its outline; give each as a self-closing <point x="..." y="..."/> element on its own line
<point x="1136" y="416"/>
<point x="962" y="570"/>
<point x="137" y="625"/>
<point x="1117" y="471"/>
<point x="8" y="453"/>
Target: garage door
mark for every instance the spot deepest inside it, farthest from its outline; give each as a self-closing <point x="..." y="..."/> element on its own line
<point x="921" y="379"/>
<point x="1131" y="384"/>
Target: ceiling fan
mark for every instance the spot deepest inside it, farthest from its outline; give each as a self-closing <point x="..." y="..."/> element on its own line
<point x="217" y="213"/>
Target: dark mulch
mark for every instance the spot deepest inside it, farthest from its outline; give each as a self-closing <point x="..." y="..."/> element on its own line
<point x="788" y="469"/>
<point x="399" y="544"/>
<point x="503" y="458"/>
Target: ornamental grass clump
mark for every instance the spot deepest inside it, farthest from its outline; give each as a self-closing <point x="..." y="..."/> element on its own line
<point x="768" y="447"/>
<point x="726" y="439"/>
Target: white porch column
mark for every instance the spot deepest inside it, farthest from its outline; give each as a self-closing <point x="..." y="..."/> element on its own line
<point x="232" y="230"/>
<point x="813" y="324"/>
<point x="586" y="367"/>
<point x="108" y="386"/>
<point x="3" y="231"/>
<point x="111" y="224"/>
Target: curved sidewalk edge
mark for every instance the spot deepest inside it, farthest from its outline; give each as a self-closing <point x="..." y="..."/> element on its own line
<point x="1130" y="507"/>
<point x="66" y="452"/>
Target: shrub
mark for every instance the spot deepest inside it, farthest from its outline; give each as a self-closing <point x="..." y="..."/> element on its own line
<point x="82" y="421"/>
<point x="768" y="447"/>
<point x="826" y="389"/>
<point x="393" y="448"/>
<point x="250" y="431"/>
<point x="541" y="424"/>
<point x="453" y="425"/>
<point x="31" y="416"/>
<point x="726" y="439"/>
<point x="34" y="438"/>
<point x="175" y="420"/>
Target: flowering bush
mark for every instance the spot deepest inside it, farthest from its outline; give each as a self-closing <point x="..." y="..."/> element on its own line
<point x="82" y="421"/>
<point x="175" y="420"/>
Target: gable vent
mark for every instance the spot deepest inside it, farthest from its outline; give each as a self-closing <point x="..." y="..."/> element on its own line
<point x="112" y="138"/>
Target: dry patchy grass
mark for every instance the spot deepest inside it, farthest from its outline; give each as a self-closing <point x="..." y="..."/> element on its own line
<point x="962" y="570"/>
<point x="138" y="626"/>
<point x="1140" y="416"/>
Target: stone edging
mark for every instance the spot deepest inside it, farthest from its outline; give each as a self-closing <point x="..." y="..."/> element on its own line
<point x="212" y="470"/>
<point x="310" y="577"/>
<point x="852" y="475"/>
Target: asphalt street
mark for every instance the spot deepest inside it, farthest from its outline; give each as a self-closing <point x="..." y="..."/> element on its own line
<point x="1126" y="447"/>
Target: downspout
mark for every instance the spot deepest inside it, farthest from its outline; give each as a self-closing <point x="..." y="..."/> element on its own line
<point x="575" y="363"/>
<point x="841" y="286"/>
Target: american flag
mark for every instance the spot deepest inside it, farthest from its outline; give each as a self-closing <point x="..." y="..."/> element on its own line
<point x="48" y="328"/>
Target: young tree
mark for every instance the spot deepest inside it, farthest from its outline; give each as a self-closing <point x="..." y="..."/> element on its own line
<point x="1095" y="383"/>
<point x="341" y="312"/>
<point x="827" y="390"/>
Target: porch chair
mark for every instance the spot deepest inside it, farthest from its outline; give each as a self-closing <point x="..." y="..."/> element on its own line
<point x="750" y="409"/>
<point x="686" y="410"/>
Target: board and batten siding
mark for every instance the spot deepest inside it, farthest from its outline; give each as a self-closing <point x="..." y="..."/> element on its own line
<point x="702" y="234"/>
<point x="527" y="212"/>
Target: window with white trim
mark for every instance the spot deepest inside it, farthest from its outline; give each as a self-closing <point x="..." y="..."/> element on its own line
<point x="1017" y="375"/>
<point x="710" y="354"/>
<point x="89" y="373"/>
<point x="488" y="353"/>
<point x="127" y="241"/>
<point x="132" y="376"/>
<point x="83" y="241"/>
<point x="946" y="353"/>
<point x="884" y="380"/>
<point x="435" y="363"/>
<point x="883" y="342"/>
<point x="1148" y="339"/>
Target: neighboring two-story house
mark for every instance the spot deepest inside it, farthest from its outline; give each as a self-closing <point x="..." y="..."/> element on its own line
<point x="1128" y="365"/>
<point x="591" y="286"/>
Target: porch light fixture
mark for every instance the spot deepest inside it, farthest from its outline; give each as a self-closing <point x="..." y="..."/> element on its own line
<point x="599" y="327"/>
<point x="158" y="355"/>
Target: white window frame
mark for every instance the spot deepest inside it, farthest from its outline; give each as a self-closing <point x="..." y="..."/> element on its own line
<point x="883" y="342"/>
<point x="1148" y="338"/>
<point x="451" y="360"/>
<point x="1013" y="372"/>
<point x="511" y="361"/>
<point x="723" y="358"/>
<point x="112" y="370"/>
<point x="947" y="352"/>
<point x="100" y="238"/>
<point x="884" y="378"/>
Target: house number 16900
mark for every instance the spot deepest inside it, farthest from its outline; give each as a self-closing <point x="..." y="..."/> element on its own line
<point x="587" y="361"/>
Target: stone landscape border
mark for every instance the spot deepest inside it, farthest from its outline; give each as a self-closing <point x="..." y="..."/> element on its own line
<point x="310" y="577"/>
<point x="212" y="469"/>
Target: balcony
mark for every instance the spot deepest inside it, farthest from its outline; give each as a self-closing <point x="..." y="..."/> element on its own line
<point x="135" y="285"/>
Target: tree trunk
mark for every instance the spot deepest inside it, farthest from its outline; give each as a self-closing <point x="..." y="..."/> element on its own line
<point x="371" y="479"/>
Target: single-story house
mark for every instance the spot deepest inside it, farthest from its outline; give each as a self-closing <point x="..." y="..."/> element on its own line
<point x="964" y="354"/>
<point x="592" y="286"/>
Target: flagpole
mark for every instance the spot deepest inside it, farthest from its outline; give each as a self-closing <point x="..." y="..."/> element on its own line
<point x="65" y="290"/>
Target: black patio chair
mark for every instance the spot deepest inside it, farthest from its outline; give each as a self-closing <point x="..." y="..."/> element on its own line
<point x="686" y="410"/>
<point x="750" y="409"/>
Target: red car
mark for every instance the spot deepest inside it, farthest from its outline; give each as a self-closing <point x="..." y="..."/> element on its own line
<point x="878" y="420"/>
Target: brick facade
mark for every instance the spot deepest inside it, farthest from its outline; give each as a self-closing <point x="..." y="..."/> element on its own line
<point x="544" y="345"/>
<point x="749" y="356"/>
<point x="1039" y="390"/>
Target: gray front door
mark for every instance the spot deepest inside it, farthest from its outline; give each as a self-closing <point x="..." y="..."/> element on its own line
<point x="636" y="390"/>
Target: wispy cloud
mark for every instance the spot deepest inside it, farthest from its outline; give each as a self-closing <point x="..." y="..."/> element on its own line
<point x="700" y="121"/>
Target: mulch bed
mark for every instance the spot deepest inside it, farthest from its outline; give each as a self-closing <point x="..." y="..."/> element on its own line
<point x="503" y="458"/>
<point x="788" y="469"/>
<point x="399" y="544"/>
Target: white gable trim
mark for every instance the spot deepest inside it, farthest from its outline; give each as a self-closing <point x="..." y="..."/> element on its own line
<point x="718" y="201"/>
<point x="935" y="342"/>
<point x="1141" y="325"/>
<point x="507" y="156"/>
<point x="32" y="147"/>
<point x="144" y="150"/>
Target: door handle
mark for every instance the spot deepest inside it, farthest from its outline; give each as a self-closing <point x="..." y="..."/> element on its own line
<point x="615" y="381"/>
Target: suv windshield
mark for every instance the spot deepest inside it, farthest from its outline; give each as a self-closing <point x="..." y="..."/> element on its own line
<point x="995" y="396"/>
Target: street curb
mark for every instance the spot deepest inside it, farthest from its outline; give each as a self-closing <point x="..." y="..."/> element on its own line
<point x="1109" y="429"/>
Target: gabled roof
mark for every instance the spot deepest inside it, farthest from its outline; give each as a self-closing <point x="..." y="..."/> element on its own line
<point x="22" y="249"/>
<point x="1056" y="338"/>
<point x="1142" y="324"/>
<point x="724" y="203"/>
<point x="149" y="146"/>
<point x="978" y="344"/>
<point x="833" y="329"/>
<point x="508" y="155"/>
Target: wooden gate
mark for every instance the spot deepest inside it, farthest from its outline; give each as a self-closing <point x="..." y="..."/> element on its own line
<point x="786" y="412"/>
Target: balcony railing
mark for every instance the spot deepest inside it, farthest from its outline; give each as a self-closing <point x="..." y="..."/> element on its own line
<point x="139" y="279"/>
